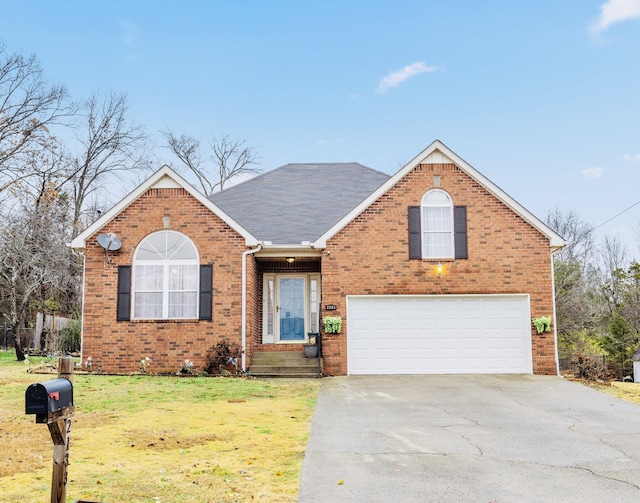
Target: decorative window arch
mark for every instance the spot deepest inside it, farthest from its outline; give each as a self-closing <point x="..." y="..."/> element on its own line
<point x="166" y="277"/>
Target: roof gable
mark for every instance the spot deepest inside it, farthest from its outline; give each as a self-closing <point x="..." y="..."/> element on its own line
<point x="438" y="153"/>
<point x="297" y="203"/>
<point x="164" y="178"/>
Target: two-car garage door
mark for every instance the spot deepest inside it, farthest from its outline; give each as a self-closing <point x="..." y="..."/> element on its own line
<point x="442" y="334"/>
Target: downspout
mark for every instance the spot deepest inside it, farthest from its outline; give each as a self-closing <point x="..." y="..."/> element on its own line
<point x="244" y="303"/>
<point x="555" y="319"/>
<point x="84" y="289"/>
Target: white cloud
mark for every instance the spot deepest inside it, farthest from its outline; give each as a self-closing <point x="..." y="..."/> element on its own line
<point x="593" y="173"/>
<point x="396" y="78"/>
<point x="628" y="157"/>
<point x="615" y="11"/>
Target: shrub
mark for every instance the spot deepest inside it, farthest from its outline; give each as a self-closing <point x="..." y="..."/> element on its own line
<point x="70" y="337"/>
<point x="590" y="369"/>
<point x="223" y="358"/>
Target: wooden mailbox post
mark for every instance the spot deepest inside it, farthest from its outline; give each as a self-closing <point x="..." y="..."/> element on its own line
<point x="52" y="402"/>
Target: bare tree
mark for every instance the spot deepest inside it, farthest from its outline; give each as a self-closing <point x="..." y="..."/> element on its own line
<point x="36" y="266"/>
<point x="29" y="106"/>
<point x="229" y="158"/>
<point x="574" y="277"/>
<point x="614" y="262"/>
<point x="110" y="145"/>
<point x="578" y="234"/>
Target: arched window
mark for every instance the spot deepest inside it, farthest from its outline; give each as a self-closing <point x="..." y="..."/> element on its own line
<point x="437" y="225"/>
<point x="165" y="277"/>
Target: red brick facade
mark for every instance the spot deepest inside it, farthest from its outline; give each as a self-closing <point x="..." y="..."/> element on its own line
<point x="118" y="346"/>
<point x="369" y="256"/>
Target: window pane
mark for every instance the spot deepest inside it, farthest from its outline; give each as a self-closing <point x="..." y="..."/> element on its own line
<point x="270" y="306"/>
<point x="147" y="305"/>
<point x="183" y="305"/>
<point x="180" y="248"/>
<point x="438" y="219"/>
<point x="148" y="278"/>
<point x="183" y="277"/>
<point x="313" y="308"/>
<point x="152" y="248"/>
<point x="438" y="244"/>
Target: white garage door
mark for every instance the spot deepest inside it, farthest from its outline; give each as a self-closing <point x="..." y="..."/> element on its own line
<point x="443" y="334"/>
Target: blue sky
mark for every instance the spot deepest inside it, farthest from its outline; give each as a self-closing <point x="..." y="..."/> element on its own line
<point x="542" y="97"/>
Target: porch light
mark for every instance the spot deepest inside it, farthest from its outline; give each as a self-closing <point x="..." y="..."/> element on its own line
<point x="439" y="269"/>
<point x="291" y="260"/>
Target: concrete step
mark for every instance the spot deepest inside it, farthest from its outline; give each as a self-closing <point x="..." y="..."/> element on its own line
<point x="281" y="355"/>
<point x="313" y="367"/>
<point x="283" y="364"/>
<point x="283" y="375"/>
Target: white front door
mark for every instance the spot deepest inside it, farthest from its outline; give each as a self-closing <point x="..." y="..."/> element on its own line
<point x="291" y="307"/>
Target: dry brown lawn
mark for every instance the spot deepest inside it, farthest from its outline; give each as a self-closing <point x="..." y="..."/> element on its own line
<point x="629" y="391"/>
<point x="160" y="439"/>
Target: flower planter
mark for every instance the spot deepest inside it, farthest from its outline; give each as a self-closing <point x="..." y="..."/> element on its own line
<point x="311" y="351"/>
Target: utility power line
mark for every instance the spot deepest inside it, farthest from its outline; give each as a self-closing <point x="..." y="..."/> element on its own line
<point x="616" y="216"/>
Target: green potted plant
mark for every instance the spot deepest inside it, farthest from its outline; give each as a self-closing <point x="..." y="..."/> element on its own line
<point x="542" y="324"/>
<point x="332" y="324"/>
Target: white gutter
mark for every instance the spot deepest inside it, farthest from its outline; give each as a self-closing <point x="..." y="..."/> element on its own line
<point x="555" y="319"/>
<point x="244" y="303"/>
<point x="84" y="289"/>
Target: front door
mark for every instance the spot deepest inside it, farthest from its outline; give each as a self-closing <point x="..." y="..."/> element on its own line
<point x="291" y="309"/>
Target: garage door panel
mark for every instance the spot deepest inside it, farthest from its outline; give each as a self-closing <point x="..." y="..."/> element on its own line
<point x="438" y="334"/>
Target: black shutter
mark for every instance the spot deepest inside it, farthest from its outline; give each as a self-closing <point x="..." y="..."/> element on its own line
<point x="206" y="292"/>
<point x="460" y="231"/>
<point x="123" y="312"/>
<point x="415" y="233"/>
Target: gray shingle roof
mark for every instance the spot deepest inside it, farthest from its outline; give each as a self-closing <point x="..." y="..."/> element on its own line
<point x="298" y="202"/>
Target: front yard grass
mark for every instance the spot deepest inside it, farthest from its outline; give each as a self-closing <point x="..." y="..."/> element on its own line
<point x="629" y="391"/>
<point x="160" y="439"/>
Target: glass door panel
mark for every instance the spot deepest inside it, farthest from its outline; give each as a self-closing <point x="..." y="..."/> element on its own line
<point x="291" y="309"/>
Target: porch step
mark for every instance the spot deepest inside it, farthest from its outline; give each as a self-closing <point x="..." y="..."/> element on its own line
<point x="283" y="364"/>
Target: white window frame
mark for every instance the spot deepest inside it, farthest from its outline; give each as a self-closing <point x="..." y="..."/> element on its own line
<point x="448" y="242"/>
<point x="166" y="264"/>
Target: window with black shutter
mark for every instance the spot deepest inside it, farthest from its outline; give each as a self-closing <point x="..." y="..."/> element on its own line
<point x="437" y="228"/>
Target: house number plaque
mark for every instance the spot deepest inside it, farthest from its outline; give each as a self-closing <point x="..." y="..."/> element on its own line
<point x="331" y="307"/>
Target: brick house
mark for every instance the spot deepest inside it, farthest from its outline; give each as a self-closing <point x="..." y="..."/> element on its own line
<point x="432" y="270"/>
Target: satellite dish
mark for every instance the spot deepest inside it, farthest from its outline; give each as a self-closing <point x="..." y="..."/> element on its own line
<point x="109" y="242"/>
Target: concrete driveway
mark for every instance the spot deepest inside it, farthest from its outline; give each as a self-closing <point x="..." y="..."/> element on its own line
<point x="470" y="438"/>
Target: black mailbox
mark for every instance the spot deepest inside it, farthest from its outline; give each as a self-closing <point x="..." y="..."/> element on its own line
<point x="50" y="396"/>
